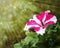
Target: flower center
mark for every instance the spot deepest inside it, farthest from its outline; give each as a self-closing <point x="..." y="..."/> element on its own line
<point x="42" y="23"/>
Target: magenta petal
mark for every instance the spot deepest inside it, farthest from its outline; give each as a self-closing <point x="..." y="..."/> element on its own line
<point x="48" y="17"/>
<point x="36" y="28"/>
<point x="27" y="27"/>
<point x="42" y="16"/>
<point x="51" y="20"/>
<point x="32" y="22"/>
<point x="41" y="31"/>
<point x="36" y="20"/>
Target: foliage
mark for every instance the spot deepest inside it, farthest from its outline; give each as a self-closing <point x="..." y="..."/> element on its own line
<point x="30" y="40"/>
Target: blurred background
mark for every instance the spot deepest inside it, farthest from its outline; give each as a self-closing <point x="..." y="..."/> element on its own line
<point x="13" y="16"/>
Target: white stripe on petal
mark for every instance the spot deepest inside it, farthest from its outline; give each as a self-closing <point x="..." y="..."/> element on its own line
<point x="54" y="19"/>
<point x="44" y="18"/>
<point x="46" y="12"/>
<point x="30" y="26"/>
<point x="41" y="31"/>
<point x="36" y="20"/>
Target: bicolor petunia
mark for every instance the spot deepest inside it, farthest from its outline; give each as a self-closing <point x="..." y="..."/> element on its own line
<point x="40" y="21"/>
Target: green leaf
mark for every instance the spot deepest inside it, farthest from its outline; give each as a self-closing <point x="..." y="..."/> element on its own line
<point x="17" y="45"/>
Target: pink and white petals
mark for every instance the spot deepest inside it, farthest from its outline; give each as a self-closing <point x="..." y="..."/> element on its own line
<point x="31" y="24"/>
<point x="42" y="16"/>
<point x="38" y="29"/>
<point x="52" y="20"/>
<point x="36" y="20"/>
<point x="41" y="31"/>
<point x="39" y="22"/>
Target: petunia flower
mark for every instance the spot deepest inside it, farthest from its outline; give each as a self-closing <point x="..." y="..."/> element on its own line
<point x="40" y="21"/>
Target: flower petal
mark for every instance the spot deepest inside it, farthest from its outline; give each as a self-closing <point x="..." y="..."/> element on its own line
<point x="43" y="15"/>
<point x="36" y="20"/>
<point x="31" y="24"/>
<point x="51" y="19"/>
<point x="36" y="28"/>
<point x="41" y="31"/>
<point x="27" y="27"/>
